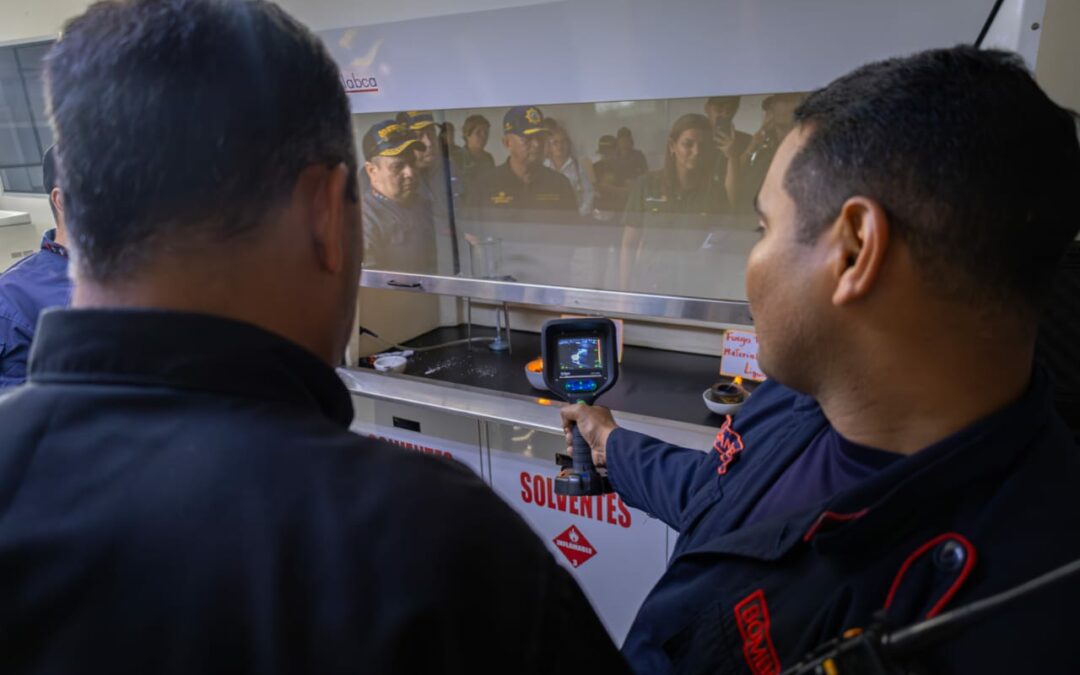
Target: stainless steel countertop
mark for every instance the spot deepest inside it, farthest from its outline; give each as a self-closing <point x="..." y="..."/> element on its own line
<point x="505" y="408"/>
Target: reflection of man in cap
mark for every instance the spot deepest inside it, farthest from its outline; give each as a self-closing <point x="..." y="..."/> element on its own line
<point x="523" y="182"/>
<point x="431" y="164"/>
<point x="399" y="233"/>
<point x="778" y="120"/>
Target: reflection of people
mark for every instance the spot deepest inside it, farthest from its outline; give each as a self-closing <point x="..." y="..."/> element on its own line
<point x="778" y="120"/>
<point x="475" y="132"/>
<point x="181" y="492"/>
<point x="673" y="208"/>
<point x="33" y="284"/>
<point x="905" y="456"/>
<point x="431" y="163"/>
<point x="686" y="184"/>
<point x="611" y="190"/>
<point x="560" y="156"/>
<point x="449" y="144"/>
<point x="630" y="160"/>
<point x="399" y="232"/>
<point x="730" y="142"/>
<point x="522" y="181"/>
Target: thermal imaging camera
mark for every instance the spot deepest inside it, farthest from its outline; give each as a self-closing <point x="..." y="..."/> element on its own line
<point x="581" y="362"/>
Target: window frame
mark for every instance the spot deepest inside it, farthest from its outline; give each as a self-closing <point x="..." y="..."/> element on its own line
<point x="15" y="47"/>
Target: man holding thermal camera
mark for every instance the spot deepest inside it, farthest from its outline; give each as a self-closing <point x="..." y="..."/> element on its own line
<point x="904" y="458"/>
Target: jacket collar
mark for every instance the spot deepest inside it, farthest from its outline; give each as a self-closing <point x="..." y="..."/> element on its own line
<point x="909" y="491"/>
<point x="183" y="351"/>
<point x="913" y="489"/>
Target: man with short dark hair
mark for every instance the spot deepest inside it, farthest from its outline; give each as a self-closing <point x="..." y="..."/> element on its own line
<point x="32" y="285"/>
<point x="904" y="457"/>
<point x="522" y="181"/>
<point x="180" y="492"/>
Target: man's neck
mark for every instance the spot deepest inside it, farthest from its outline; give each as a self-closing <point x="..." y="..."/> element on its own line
<point x="244" y="291"/>
<point x="522" y="170"/>
<point x="909" y="401"/>
<point x="383" y="195"/>
<point x="61" y="235"/>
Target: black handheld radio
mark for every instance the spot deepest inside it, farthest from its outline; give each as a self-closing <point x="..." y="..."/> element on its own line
<point x="580" y="363"/>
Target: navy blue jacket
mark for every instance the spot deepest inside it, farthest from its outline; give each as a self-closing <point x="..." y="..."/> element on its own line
<point x="985" y="510"/>
<point x="33" y="284"/>
<point x="181" y="494"/>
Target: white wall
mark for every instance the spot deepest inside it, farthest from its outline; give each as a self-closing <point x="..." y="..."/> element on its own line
<point x="32" y="20"/>
<point x="1058" y="68"/>
<point x="24" y="19"/>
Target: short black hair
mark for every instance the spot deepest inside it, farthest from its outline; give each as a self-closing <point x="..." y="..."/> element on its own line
<point x="48" y="169"/>
<point x="49" y="178"/>
<point x="975" y="167"/>
<point x="182" y="120"/>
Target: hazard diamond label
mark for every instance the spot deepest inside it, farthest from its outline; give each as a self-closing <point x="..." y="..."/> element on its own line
<point x="574" y="546"/>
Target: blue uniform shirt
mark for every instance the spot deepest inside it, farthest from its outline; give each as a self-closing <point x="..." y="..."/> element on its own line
<point x="977" y="513"/>
<point x="828" y="466"/>
<point x="31" y="285"/>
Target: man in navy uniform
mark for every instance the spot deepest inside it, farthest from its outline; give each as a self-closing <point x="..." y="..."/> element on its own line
<point x="399" y="231"/>
<point x="522" y="181"/>
<point x="179" y="489"/>
<point x="33" y="284"/>
<point x="904" y="455"/>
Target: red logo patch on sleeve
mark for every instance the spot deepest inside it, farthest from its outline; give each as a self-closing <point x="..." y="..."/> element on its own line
<point x="752" y="616"/>
<point x="728" y="444"/>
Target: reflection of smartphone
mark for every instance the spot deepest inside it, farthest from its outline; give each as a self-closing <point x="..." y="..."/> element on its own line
<point x="723" y="127"/>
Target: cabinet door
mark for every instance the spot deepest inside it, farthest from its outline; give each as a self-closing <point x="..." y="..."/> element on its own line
<point x="420" y="430"/>
<point x="616" y="553"/>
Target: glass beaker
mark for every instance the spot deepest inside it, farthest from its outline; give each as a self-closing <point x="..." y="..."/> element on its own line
<point x="485" y="258"/>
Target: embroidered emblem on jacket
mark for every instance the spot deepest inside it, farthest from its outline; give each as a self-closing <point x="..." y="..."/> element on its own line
<point x="728" y="444"/>
<point x="752" y="616"/>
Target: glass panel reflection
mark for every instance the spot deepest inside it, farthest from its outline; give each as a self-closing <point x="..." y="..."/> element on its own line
<point x="650" y="196"/>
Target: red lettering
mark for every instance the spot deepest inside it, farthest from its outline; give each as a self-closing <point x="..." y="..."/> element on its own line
<point x="526" y="488"/>
<point x="611" y="507"/>
<point x="624" y="514"/>
<point x="574" y="509"/>
<point x="551" y="493"/>
<point x="540" y="487"/>
<point x="560" y="502"/>
<point x="587" y="507"/>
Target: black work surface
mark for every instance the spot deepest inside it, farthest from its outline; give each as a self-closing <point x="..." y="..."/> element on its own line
<point x="653" y="382"/>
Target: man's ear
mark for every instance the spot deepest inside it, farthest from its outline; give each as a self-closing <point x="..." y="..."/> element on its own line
<point x="859" y="244"/>
<point x="324" y="189"/>
<point x="56" y="199"/>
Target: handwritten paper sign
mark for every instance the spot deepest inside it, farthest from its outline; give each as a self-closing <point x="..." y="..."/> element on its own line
<point x="740" y="356"/>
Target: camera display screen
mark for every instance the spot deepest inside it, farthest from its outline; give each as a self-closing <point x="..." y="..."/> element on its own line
<point x="580" y="354"/>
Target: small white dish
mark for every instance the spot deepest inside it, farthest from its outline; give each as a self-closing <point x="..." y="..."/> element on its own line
<point x="390" y="364"/>
<point x="721" y="408"/>
<point x="536" y="379"/>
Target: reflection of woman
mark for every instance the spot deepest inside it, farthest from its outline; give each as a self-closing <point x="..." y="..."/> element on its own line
<point x="475" y="132"/>
<point x="686" y="183"/>
<point x="560" y="157"/>
<point x="680" y="198"/>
